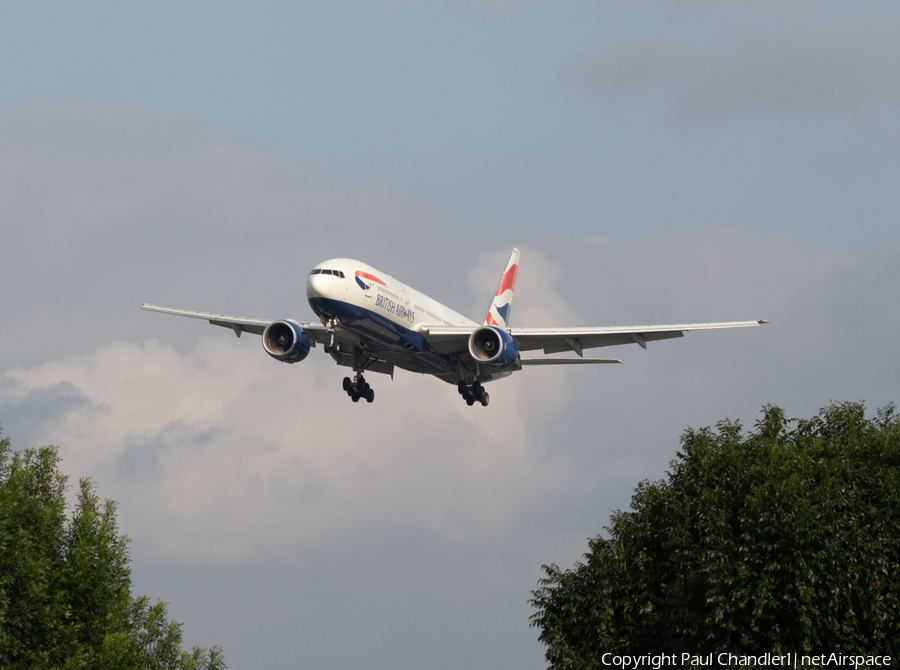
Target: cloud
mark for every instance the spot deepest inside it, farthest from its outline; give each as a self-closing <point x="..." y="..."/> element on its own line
<point x="144" y="206"/>
<point x="113" y="205"/>
<point x="221" y="455"/>
<point x="120" y="169"/>
<point x="826" y="308"/>
<point x="536" y="301"/>
<point x="228" y="464"/>
<point x="830" y="315"/>
<point x="778" y="61"/>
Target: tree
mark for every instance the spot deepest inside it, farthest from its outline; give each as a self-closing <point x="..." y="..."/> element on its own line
<point x="783" y="540"/>
<point x="65" y="584"/>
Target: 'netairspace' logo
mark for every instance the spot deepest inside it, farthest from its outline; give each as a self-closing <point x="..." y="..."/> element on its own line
<point x="656" y="661"/>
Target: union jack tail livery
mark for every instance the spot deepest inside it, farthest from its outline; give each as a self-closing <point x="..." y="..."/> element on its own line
<point x="498" y="314"/>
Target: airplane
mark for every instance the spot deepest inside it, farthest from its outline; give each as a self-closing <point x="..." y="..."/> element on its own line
<point x="371" y="322"/>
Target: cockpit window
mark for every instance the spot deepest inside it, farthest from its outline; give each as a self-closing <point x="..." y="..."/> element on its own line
<point x="334" y="273"/>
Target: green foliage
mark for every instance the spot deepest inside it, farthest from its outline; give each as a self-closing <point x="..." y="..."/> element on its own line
<point x="786" y="539"/>
<point x="65" y="584"/>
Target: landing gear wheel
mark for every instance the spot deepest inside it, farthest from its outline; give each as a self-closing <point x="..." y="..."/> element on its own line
<point x="470" y="401"/>
<point x="462" y="388"/>
<point x="358" y="388"/>
<point x="485" y="399"/>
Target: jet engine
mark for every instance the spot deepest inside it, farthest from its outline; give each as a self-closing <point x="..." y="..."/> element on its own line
<point x="493" y="347"/>
<point x="285" y="341"/>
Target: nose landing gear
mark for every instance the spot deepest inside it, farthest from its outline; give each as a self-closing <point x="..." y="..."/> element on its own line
<point x="473" y="393"/>
<point x="359" y="388"/>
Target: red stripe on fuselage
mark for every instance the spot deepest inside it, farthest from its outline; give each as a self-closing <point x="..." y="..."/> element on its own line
<point x="366" y="275"/>
<point x="509" y="279"/>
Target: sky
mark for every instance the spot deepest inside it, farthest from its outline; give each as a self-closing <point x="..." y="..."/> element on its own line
<point x="655" y="162"/>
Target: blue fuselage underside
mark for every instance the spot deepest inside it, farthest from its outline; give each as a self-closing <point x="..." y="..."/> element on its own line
<point x="390" y="341"/>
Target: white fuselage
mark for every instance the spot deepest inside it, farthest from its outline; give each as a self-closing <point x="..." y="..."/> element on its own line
<point x="386" y="315"/>
<point x="363" y="287"/>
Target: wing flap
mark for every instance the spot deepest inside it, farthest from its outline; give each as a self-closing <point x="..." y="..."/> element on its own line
<point x="239" y="328"/>
<point x="558" y="340"/>
<point x="455" y="339"/>
<point x="217" y="319"/>
<point x="554" y="344"/>
<point x="239" y="324"/>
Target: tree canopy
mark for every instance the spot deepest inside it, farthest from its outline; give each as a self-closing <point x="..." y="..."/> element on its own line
<point x="65" y="581"/>
<point x="785" y="539"/>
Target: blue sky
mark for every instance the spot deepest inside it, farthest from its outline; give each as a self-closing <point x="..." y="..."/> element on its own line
<point x="620" y="118"/>
<point x="655" y="162"/>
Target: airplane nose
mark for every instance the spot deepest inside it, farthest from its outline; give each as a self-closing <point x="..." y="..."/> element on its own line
<point x="317" y="286"/>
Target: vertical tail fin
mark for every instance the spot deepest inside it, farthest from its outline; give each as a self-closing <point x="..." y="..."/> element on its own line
<point x="498" y="314"/>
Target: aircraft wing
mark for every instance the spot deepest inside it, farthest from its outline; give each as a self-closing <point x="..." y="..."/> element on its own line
<point x="455" y="339"/>
<point x="239" y="324"/>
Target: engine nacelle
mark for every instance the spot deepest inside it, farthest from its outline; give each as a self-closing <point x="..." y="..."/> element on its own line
<point x="493" y="347"/>
<point x="285" y="341"/>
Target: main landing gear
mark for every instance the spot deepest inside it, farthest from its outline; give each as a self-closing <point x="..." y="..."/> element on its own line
<point x="473" y="393"/>
<point x="359" y="389"/>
